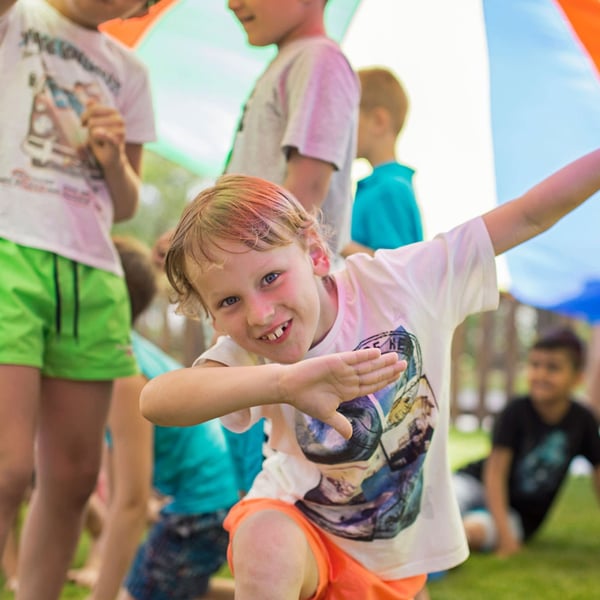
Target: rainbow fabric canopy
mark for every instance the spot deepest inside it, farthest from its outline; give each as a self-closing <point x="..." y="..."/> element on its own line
<point x="503" y="92"/>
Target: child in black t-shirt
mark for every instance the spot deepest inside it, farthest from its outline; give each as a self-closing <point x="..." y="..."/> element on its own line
<point x="505" y="497"/>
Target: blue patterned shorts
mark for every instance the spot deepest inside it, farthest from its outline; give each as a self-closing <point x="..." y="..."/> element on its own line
<point x="178" y="557"/>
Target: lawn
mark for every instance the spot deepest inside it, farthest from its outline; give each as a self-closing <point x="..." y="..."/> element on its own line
<point x="561" y="563"/>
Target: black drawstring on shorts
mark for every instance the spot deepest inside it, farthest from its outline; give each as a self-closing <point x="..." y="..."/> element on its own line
<point x="58" y="299"/>
<point x="75" y="300"/>
<point x="56" y="294"/>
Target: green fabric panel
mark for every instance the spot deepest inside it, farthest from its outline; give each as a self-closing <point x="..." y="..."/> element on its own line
<point x="202" y="70"/>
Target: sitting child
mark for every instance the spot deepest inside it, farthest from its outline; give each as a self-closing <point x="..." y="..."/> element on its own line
<point x="505" y="497"/>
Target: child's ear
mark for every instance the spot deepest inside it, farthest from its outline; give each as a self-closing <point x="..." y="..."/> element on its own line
<point x="320" y="260"/>
<point x="381" y="118"/>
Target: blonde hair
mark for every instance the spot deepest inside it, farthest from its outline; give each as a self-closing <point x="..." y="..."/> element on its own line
<point x="380" y="88"/>
<point x="238" y="208"/>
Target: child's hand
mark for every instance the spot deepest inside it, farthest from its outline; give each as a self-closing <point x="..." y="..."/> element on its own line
<point x="106" y="133"/>
<point x="507" y="547"/>
<point x="317" y="386"/>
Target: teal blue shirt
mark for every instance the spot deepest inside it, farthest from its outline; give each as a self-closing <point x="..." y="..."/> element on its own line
<point x="385" y="213"/>
<point x="191" y="464"/>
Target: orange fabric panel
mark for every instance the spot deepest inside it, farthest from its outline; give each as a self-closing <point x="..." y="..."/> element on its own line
<point x="584" y="16"/>
<point x="131" y="31"/>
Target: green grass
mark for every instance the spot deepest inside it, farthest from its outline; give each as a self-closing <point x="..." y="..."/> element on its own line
<point x="560" y="563"/>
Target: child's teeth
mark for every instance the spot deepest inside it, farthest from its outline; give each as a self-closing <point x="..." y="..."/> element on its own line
<point x="275" y="335"/>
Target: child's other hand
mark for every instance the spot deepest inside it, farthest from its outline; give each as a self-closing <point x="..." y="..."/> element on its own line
<point x="106" y="133"/>
<point x="317" y="386"/>
<point x="507" y="547"/>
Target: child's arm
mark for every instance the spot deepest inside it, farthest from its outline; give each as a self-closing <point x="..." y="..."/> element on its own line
<point x="308" y="179"/>
<point x="316" y="386"/>
<point x="495" y="477"/>
<point x="543" y="205"/>
<point x="120" y="161"/>
<point x="5" y="5"/>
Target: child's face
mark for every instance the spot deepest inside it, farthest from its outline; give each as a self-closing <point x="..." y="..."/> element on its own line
<point x="276" y="21"/>
<point x="272" y="303"/>
<point x="363" y="139"/>
<point x="551" y="376"/>
<point x="91" y="13"/>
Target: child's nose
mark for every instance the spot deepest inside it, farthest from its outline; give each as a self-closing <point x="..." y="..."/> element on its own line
<point x="260" y="312"/>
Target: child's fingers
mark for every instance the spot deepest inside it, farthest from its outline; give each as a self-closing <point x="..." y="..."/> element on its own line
<point x="380" y="375"/>
<point x="98" y="111"/>
<point x="105" y="135"/>
<point x="340" y="424"/>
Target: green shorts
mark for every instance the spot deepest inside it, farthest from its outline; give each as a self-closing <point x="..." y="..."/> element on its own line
<point x="69" y="320"/>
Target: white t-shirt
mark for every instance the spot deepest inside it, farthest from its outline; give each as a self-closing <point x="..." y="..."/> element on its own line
<point x="52" y="192"/>
<point x="307" y="99"/>
<point x="385" y="497"/>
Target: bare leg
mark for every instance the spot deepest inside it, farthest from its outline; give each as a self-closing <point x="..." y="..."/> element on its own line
<point x="19" y="401"/>
<point x="475" y="532"/>
<point x="95" y="516"/>
<point x="281" y="565"/>
<point x="423" y="595"/>
<point x="69" y="446"/>
<point x="593" y="371"/>
<point x="10" y="557"/>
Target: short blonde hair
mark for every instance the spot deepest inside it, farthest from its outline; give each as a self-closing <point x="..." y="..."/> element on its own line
<point x="238" y="208"/>
<point x="381" y="88"/>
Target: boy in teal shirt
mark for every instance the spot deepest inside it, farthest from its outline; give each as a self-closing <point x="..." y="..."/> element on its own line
<point x="385" y="213"/>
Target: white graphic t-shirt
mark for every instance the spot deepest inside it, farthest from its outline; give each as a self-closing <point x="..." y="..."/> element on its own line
<point x="385" y="496"/>
<point x="52" y="192"/>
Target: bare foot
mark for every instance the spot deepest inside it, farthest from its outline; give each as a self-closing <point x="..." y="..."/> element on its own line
<point x="11" y="584"/>
<point x="85" y="577"/>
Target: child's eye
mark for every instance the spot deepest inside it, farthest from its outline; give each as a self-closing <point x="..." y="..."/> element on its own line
<point x="230" y="301"/>
<point x="270" y="278"/>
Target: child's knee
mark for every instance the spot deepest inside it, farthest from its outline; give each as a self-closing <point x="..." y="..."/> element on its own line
<point x="271" y="548"/>
<point x="478" y="529"/>
<point x="15" y="481"/>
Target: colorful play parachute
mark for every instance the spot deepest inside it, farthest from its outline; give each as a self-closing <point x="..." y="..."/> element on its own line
<point x="503" y="92"/>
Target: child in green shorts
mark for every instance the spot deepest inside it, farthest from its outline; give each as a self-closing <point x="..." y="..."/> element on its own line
<point x="76" y="111"/>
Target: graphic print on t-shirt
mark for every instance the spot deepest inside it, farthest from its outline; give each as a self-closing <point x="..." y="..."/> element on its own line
<point x="56" y="138"/>
<point x="371" y="485"/>
<point x="542" y="468"/>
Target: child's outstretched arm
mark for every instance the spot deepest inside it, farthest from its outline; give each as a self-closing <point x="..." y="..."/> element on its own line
<point x="5" y="5"/>
<point x="543" y="205"/>
<point x="316" y="386"/>
<point x="120" y="161"/>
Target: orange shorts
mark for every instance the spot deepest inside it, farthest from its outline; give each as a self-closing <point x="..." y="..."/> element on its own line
<point x="340" y="576"/>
